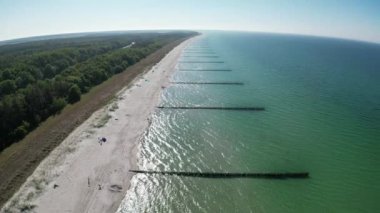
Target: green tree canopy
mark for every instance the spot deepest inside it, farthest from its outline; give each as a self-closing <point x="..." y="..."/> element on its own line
<point x="74" y="94"/>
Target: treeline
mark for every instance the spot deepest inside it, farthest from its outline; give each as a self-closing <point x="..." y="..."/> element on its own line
<point x="38" y="79"/>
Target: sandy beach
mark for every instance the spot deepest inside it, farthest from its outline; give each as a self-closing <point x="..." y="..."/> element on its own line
<point x="85" y="175"/>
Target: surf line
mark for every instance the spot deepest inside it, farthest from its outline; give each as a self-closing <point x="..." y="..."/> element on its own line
<point x="205" y="70"/>
<point x="221" y="83"/>
<point x="214" y="108"/>
<point x="285" y="175"/>
<point x="204" y="56"/>
<point x="210" y="62"/>
<point x="198" y="51"/>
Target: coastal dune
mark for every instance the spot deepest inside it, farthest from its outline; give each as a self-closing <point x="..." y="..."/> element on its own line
<point x="85" y="174"/>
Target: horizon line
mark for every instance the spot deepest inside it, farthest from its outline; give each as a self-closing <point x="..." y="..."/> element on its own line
<point x="194" y="30"/>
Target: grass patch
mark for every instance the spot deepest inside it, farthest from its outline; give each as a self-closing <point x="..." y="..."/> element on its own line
<point x="114" y="107"/>
<point x="27" y="207"/>
<point x="70" y="149"/>
<point x="103" y="121"/>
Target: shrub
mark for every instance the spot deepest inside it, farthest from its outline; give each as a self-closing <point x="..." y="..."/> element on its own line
<point x="57" y="105"/>
<point x="74" y="94"/>
<point x="22" y="130"/>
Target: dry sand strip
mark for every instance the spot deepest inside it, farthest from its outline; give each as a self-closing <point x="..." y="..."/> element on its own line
<point x="83" y="175"/>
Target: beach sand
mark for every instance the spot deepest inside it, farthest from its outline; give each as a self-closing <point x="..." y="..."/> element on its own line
<point x="83" y="175"/>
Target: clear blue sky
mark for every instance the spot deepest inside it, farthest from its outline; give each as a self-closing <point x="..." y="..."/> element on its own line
<point x="355" y="19"/>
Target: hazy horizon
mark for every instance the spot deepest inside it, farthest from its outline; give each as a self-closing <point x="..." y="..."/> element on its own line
<point x="73" y="34"/>
<point x="355" y="20"/>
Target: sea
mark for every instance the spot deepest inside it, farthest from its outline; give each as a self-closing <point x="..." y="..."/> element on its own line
<point x="321" y="115"/>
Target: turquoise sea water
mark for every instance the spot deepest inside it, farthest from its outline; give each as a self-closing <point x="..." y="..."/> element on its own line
<point x="322" y="100"/>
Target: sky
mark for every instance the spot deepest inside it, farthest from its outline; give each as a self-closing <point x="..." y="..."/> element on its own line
<point x="352" y="19"/>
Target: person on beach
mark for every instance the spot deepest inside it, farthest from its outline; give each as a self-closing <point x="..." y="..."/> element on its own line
<point x="101" y="140"/>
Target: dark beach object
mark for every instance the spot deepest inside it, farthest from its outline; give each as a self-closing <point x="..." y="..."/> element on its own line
<point x="115" y="188"/>
<point x="222" y="83"/>
<point x="215" y="108"/>
<point x="285" y="175"/>
<point x="104" y="139"/>
<point x="55" y="186"/>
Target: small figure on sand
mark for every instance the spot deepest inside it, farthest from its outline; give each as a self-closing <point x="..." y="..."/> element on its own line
<point x="101" y="140"/>
<point x="99" y="187"/>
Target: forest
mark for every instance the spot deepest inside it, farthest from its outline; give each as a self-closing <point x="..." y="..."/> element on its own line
<point x="38" y="79"/>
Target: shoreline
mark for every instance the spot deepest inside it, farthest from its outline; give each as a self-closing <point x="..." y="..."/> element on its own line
<point x="86" y="176"/>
